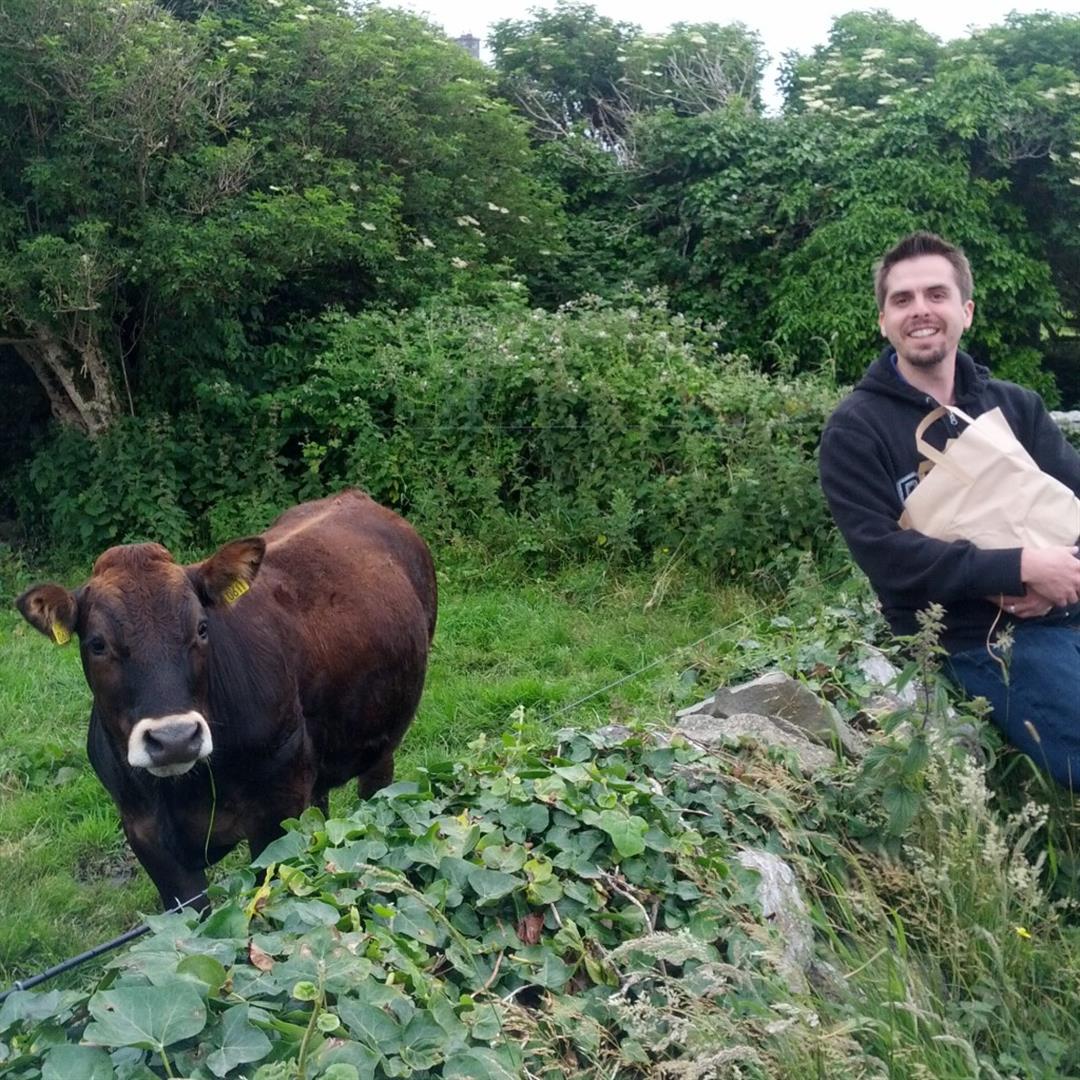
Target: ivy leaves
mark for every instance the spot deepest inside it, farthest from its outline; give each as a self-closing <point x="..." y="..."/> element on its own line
<point x="429" y="933"/>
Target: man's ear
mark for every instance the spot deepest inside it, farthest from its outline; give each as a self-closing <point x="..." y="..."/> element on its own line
<point x="229" y="572"/>
<point x="51" y="609"/>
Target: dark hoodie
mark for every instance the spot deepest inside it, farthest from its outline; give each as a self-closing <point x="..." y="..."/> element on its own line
<point x="869" y="466"/>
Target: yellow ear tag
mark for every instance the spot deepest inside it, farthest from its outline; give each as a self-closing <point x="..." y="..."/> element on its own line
<point x="60" y="634"/>
<point x="235" y="591"/>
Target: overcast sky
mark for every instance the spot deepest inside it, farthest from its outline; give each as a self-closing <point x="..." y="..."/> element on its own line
<point x="783" y="24"/>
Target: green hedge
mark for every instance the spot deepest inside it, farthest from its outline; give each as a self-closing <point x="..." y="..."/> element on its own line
<point x="600" y="428"/>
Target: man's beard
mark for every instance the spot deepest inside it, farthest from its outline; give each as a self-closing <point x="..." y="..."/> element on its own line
<point x="927" y="360"/>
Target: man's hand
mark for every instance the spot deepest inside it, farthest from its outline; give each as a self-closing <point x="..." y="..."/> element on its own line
<point x="1053" y="573"/>
<point x="1032" y="605"/>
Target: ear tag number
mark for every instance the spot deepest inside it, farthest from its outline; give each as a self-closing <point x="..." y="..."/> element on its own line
<point x="235" y="591"/>
<point x="60" y="634"/>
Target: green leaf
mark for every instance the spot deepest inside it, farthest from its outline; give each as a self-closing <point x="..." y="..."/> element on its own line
<point x="283" y="848"/>
<point x="484" y="1022"/>
<point x="205" y="969"/>
<point x="371" y="1026"/>
<point x="30" y="1005"/>
<point x="480" y="1063"/>
<point x="492" y="884"/>
<point x="338" y="830"/>
<point x="238" y="1042"/>
<point x="627" y="831"/>
<point x="359" y="853"/>
<point x="230" y="921"/>
<point x="531" y="818"/>
<point x="902" y="805"/>
<point x="543" y="967"/>
<point x="84" y="1062"/>
<point x="148" y="1017"/>
<point x="1050" y="1046"/>
<point x="544" y="892"/>
<point x="413" y="919"/>
<point x="456" y="871"/>
<point x="508" y="858"/>
<point x="341" y="1070"/>
<point x="346" y="1052"/>
<point x="918" y="754"/>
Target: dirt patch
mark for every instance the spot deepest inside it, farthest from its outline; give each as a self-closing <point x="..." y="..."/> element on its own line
<point x="116" y="867"/>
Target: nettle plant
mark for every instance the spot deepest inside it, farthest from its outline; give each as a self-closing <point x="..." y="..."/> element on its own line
<point x="548" y="913"/>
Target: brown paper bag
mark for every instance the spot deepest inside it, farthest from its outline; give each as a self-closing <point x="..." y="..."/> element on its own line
<point x="985" y="487"/>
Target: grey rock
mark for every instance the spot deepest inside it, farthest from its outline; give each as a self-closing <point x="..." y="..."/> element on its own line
<point x="779" y="696"/>
<point x="701" y="707"/>
<point x="613" y="734"/>
<point x="826" y="979"/>
<point x="878" y="707"/>
<point x="767" y="730"/>
<point x="881" y="673"/>
<point x="783" y="907"/>
<point x="1067" y="421"/>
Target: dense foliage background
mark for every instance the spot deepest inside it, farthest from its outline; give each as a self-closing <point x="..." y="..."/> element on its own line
<point x="593" y="296"/>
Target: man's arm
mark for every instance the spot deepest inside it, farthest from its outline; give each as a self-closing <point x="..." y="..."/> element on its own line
<point x="862" y="496"/>
<point x="1053" y="573"/>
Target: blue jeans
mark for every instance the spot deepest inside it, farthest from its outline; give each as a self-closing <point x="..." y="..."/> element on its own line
<point x="1038" y="707"/>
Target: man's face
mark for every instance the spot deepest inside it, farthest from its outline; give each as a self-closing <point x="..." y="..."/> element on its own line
<point x="923" y="316"/>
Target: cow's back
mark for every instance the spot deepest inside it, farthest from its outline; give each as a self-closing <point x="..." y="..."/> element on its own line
<point x="352" y="587"/>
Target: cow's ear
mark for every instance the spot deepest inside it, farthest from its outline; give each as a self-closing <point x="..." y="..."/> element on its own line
<point x="51" y="609"/>
<point x="229" y="572"/>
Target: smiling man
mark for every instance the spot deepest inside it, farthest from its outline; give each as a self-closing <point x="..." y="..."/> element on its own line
<point x="869" y="466"/>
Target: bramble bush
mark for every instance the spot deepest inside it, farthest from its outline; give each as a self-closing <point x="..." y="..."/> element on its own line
<point x="604" y="428"/>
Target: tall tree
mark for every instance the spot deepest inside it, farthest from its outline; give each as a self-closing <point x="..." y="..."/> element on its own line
<point x="575" y="73"/>
<point x="176" y="188"/>
<point x="771" y="224"/>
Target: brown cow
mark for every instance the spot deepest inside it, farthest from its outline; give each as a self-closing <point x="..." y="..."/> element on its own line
<point x="280" y="667"/>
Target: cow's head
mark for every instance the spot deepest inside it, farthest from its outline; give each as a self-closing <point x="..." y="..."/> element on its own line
<point x="143" y="634"/>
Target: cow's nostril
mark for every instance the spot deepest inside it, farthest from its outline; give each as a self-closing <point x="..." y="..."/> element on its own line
<point x="171" y="743"/>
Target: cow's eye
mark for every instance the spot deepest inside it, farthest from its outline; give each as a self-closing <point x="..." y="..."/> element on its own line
<point x="97" y="646"/>
<point x="202" y="629"/>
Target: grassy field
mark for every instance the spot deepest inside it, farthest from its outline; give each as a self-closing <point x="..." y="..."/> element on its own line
<point x="504" y="646"/>
<point x="949" y="949"/>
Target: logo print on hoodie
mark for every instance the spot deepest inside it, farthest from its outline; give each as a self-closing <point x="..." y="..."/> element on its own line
<point x="906" y="485"/>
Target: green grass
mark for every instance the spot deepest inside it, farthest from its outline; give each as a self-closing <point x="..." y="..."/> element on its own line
<point x="504" y="644"/>
<point x="954" y="954"/>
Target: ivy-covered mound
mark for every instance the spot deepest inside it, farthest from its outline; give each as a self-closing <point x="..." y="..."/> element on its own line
<point x="537" y="915"/>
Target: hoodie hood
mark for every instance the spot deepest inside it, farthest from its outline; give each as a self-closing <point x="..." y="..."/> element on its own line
<point x="884" y="378"/>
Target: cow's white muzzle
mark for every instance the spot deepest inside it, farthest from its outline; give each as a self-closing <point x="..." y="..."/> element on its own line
<point x="169" y="745"/>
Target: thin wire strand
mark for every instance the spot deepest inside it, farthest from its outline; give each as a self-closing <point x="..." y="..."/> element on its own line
<point x="678" y="651"/>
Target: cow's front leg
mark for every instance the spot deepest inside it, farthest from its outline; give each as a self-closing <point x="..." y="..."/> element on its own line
<point x="286" y="791"/>
<point x="266" y="827"/>
<point x="179" y="881"/>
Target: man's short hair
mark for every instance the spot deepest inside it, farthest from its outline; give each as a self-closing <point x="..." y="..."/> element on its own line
<point x="923" y="243"/>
